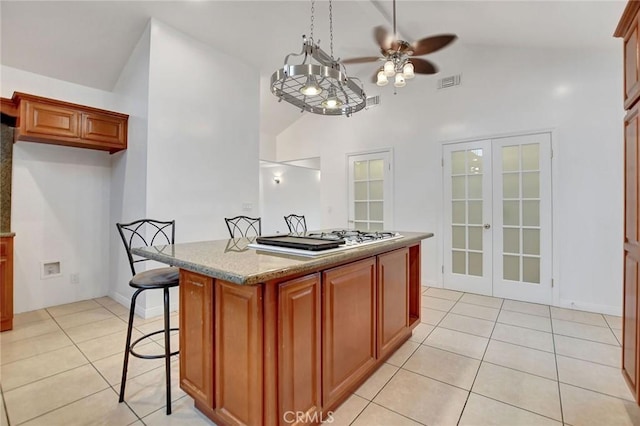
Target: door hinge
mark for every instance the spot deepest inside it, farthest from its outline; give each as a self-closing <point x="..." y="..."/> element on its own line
<point x="443" y="269"/>
<point x="389" y="166"/>
<point x="552" y="153"/>
<point x="551" y="282"/>
<point x="442" y="162"/>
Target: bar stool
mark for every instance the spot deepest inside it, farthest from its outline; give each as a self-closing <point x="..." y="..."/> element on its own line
<point x="244" y="226"/>
<point x="296" y="223"/>
<point x="149" y="232"/>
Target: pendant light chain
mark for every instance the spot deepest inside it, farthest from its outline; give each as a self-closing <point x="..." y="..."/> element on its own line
<point x="331" y="27"/>
<point x="313" y="9"/>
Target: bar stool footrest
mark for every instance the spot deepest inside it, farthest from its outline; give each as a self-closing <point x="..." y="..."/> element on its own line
<point x="152" y="356"/>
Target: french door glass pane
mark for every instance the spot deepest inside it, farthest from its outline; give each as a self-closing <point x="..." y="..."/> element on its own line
<point x="376" y="169"/>
<point x="475" y="237"/>
<point x="475" y="264"/>
<point x="459" y="264"/>
<point x="458" y="237"/>
<point x="375" y="190"/>
<point x="466" y="210"/>
<point x="521" y="212"/>
<point x="368" y="194"/>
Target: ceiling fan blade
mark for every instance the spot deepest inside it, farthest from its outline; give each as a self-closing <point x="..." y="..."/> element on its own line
<point x="432" y="44"/>
<point x="382" y="37"/>
<point x="360" y="60"/>
<point x="374" y="77"/>
<point x="422" y="66"/>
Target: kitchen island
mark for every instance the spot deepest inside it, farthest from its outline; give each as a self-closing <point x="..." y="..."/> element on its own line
<point x="271" y="338"/>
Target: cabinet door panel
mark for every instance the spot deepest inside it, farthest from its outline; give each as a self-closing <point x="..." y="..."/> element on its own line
<point x="105" y="129"/>
<point x="629" y="337"/>
<point x="238" y="354"/>
<point x="393" y="299"/>
<point x="45" y="119"/>
<point x="299" y="348"/>
<point x="196" y="336"/>
<point x="631" y="65"/>
<point x="348" y="332"/>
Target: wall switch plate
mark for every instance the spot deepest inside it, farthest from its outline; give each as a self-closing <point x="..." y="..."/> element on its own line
<point x="74" y="278"/>
<point x="247" y="207"/>
<point x="50" y="269"/>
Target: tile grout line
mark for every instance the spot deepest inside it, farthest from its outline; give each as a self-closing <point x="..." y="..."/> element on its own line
<point x="109" y="386"/>
<point x="466" y="401"/>
<point x="555" y="359"/>
<point x="399" y="367"/>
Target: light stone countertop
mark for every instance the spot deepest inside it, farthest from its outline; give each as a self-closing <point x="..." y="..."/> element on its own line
<point x="231" y="260"/>
<point x="7" y="234"/>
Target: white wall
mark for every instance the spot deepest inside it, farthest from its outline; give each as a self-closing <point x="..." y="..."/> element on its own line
<point x="129" y="167"/>
<point x="60" y="204"/>
<point x="504" y="90"/>
<point x="192" y="156"/>
<point x="297" y="193"/>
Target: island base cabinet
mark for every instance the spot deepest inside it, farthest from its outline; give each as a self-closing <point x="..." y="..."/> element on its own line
<point x="196" y="336"/>
<point x="393" y="300"/>
<point x="348" y="328"/>
<point x="299" y="354"/>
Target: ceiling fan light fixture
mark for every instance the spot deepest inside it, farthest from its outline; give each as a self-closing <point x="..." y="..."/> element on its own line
<point x="332" y="101"/>
<point x="408" y="71"/>
<point x="389" y="68"/>
<point x="311" y="87"/>
<point x="400" y="82"/>
<point x="382" y="79"/>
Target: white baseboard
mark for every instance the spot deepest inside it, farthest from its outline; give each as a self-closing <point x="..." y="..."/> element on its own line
<point x="591" y="307"/>
<point x="431" y="284"/>
<point x="153" y="311"/>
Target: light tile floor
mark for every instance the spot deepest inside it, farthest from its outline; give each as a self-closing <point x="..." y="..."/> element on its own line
<point x="474" y="360"/>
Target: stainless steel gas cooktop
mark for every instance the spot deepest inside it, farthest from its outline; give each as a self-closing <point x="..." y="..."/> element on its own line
<point x="323" y="243"/>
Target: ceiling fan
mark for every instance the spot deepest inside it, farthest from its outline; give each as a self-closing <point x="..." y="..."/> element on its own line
<point x="400" y="56"/>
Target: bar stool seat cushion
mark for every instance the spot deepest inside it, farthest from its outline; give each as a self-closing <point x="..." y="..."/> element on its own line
<point x="156" y="278"/>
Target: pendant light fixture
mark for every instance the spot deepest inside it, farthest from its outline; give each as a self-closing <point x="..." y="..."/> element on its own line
<point x="319" y="84"/>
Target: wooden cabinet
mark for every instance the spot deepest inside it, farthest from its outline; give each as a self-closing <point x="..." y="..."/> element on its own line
<point x="348" y="327"/>
<point x="196" y="336"/>
<point x="393" y="300"/>
<point x="6" y="283"/>
<point x="62" y="123"/>
<point x="299" y="349"/>
<point x="290" y="350"/>
<point x="628" y="31"/>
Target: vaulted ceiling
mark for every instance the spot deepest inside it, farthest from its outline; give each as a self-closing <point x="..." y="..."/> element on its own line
<point x="88" y="42"/>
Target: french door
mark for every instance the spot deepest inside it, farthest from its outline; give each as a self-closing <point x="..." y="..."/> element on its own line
<point x="370" y="191"/>
<point x="497" y="217"/>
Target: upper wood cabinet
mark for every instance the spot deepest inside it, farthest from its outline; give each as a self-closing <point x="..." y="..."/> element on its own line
<point x="62" y="123"/>
<point x="628" y="30"/>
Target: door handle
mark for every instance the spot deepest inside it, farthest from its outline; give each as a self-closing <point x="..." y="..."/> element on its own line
<point x="487" y="226"/>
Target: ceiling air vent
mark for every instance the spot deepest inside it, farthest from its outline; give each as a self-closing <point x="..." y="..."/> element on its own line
<point x="453" y="80"/>
<point x="372" y="101"/>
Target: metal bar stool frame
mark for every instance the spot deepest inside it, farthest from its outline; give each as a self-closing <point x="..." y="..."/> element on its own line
<point x="252" y="226"/>
<point x="296" y="223"/>
<point x="168" y="277"/>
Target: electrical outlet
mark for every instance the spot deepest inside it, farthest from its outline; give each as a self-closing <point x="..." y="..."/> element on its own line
<point x="74" y="278"/>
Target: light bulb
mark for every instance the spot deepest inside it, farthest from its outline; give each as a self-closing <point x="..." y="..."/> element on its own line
<point x="399" y="80"/>
<point x="389" y="68"/>
<point x="382" y="79"/>
<point x="332" y="101"/>
<point x="311" y="87"/>
<point x="407" y="70"/>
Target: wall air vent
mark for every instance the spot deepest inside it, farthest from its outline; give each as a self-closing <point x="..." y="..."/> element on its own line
<point x="451" y="81"/>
